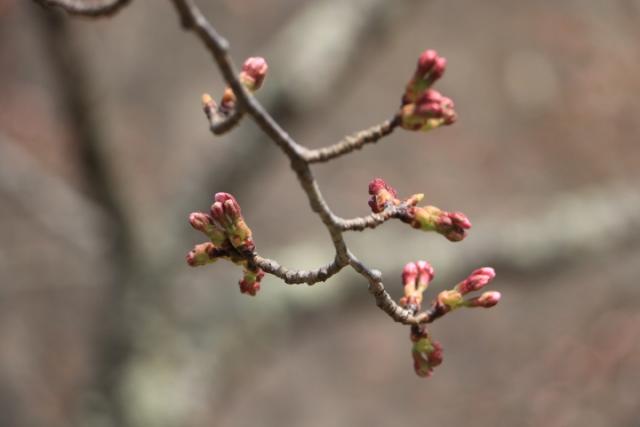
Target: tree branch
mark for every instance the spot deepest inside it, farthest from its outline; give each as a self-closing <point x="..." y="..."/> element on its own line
<point x="353" y="142"/>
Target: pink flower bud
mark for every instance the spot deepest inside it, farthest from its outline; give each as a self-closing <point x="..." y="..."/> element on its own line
<point x="382" y="195"/>
<point x="430" y="67"/>
<point x="427" y="354"/>
<point x="486" y="300"/>
<point x="253" y="73"/>
<point x="217" y="213"/>
<point x="452" y="225"/>
<point x="430" y="111"/>
<point x="476" y="280"/>
<point x="200" y="221"/>
<point x="232" y="209"/>
<point x="204" y="223"/>
<point x="426" y="61"/>
<point x="250" y="282"/>
<point x="426" y="274"/>
<point x="410" y="274"/>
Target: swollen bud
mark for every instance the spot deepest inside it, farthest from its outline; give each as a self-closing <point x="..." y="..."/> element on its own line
<point x="253" y="73"/>
<point x="486" y="300"/>
<point x="208" y="105"/>
<point x="426" y="353"/>
<point x="382" y="195"/>
<point x="476" y="280"/>
<point x="250" y="282"/>
<point x="415" y="279"/>
<point x="204" y="223"/>
<point x="452" y="225"/>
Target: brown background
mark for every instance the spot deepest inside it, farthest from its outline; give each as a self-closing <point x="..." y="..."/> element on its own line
<point x="102" y="322"/>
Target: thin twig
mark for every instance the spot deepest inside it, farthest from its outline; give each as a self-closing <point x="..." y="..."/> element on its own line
<point x="219" y="125"/>
<point x="310" y="277"/>
<point x="353" y="142"/>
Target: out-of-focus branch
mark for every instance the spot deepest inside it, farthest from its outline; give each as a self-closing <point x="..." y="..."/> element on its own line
<point x="69" y="216"/>
<point x="91" y="8"/>
<point x="75" y="92"/>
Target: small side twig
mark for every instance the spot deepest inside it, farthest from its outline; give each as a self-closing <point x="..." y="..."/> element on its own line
<point x="353" y="142"/>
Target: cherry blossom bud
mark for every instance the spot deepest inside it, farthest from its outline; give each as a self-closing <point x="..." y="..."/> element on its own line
<point x="415" y="279"/>
<point x="204" y="223"/>
<point x="202" y="254"/>
<point x="226" y="214"/>
<point x="253" y="73"/>
<point x="486" y="300"/>
<point x="450" y="299"/>
<point x="426" y="274"/>
<point x="382" y="195"/>
<point x="208" y="105"/>
<point x="410" y="274"/>
<point x="426" y="62"/>
<point x="250" y="282"/>
<point x="453" y="225"/>
<point x="429" y="111"/>
<point x="228" y="101"/>
<point x="426" y="353"/>
<point x="476" y="280"/>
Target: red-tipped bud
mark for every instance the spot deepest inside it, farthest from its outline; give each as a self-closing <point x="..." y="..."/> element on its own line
<point x="415" y="278"/>
<point x="410" y="274"/>
<point x="453" y="225"/>
<point x="217" y="213"/>
<point x="476" y="280"/>
<point x="426" y="61"/>
<point x="223" y="197"/>
<point x="253" y="73"/>
<point x="486" y="300"/>
<point x="232" y="209"/>
<point x="426" y="273"/>
<point x="429" y="111"/>
<point x="426" y="353"/>
<point x="430" y="67"/>
<point x="250" y="282"/>
<point x="228" y="101"/>
<point x="204" y="223"/>
<point x="382" y="195"/>
<point x="200" y="221"/>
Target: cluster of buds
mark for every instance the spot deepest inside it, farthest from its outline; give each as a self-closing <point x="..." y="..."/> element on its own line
<point x="229" y="238"/>
<point x="426" y="353"/>
<point x="454" y="298"/>
<point x="452" y="225"/>
<point x="424" y="108"/>
<point x="254" y="71"/>
<point x="416" y="276"/>
<point x="415" y="280"/>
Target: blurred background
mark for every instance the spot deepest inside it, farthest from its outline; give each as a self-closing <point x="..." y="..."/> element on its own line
<point x="104" y="151"/>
